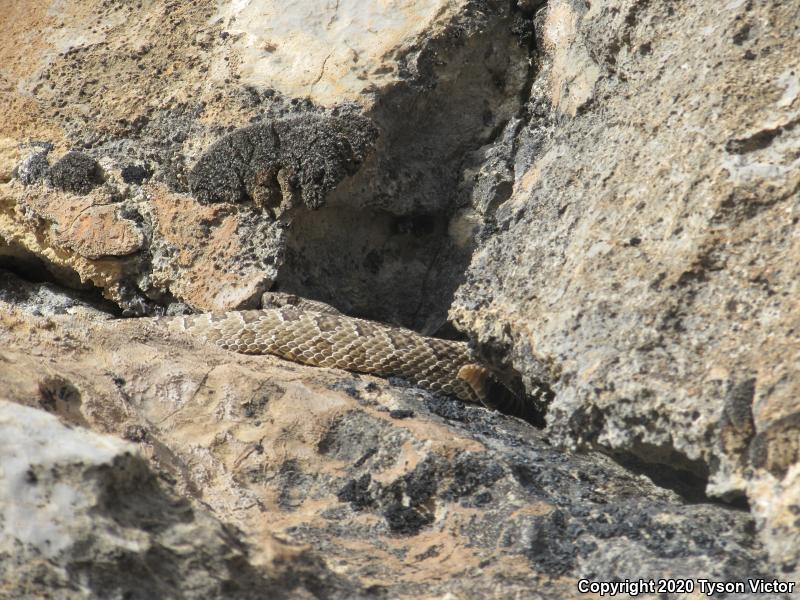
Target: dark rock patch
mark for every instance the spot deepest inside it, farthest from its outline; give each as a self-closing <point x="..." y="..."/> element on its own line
<point x="75" y="172"/>
<point x="269" y="164"/>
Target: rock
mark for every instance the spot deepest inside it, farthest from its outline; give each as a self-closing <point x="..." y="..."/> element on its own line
<point x="644" y="262"/>
<point x="86" y="225"/>
<point x="383" y="205"/>
<point x="34" y="168"/>
<point x="46" y="299"/>
<point x="601" y="197"/>
<point x="230" y="253"/>
<point x="530" y="6"/>
<point x="10" y="155"/>
<point x="135" y="174"/>
<point x="448" y="498"/>
<point x="86" y="517"/>
<point x="101" y="232"/>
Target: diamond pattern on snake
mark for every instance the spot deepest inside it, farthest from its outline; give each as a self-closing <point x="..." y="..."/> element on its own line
<point x="318" y="335"/>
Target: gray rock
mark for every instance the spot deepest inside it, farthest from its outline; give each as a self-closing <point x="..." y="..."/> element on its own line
<point x="133" y="173"/>
<point x="83" y="516"/>
<point x="593" y="519"/>
<point x="643" y="264"/>
<point x="448" y="498"/>
<point x="34" y="168"/>
<point x="49" y="299"/>
<point x="602" y="194"/>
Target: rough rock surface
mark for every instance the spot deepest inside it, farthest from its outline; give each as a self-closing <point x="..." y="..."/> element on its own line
<point x="75" y="172"/>
<point x="399" y="493"/>
<point x="603" y="196"/>
<point x="143" y="107"/>
<point x="83" y="516"/>
<point x="646" y="262"/>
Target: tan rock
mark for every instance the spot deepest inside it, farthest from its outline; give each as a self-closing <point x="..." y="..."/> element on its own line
<point x="93" y="230"/>
<point x="622" y="175"/>
<point x="57" y="483"/>
<point x="30" y="236"/>
<point x="329" y="52"/>
<point x="98" y="231"/>
<point x="572" y="74"/>
<point x="10" y="155"/>
<point x="204" y="245"/>
<point x="647" y="260"/>
<point x="388" y="486"/>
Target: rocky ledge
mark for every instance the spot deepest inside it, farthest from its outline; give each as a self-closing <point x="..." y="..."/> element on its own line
<point x="251" y="477"/>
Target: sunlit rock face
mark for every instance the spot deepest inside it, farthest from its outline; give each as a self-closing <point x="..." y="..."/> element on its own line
<point x="602" y="197"/>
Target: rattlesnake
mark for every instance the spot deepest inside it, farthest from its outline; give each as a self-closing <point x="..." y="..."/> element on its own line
<point x="322" y="337"/>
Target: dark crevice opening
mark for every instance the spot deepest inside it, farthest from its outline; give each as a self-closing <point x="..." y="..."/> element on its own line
<point x="454" y="99"/>
<point x="20" y="274"/>
<point x="29" y="268"/>
<point x="687" y="478"/>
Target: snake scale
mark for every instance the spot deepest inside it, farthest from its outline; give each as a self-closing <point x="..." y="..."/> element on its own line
<point x="330" y="339"/>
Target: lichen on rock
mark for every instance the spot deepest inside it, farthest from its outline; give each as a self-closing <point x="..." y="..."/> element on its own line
<point x="278" y="164"/>
<point x="75" y="172"/>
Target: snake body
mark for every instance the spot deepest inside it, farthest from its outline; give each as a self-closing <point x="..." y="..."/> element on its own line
<point x="332" y="340"/>
<point x="326" y="338"/>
